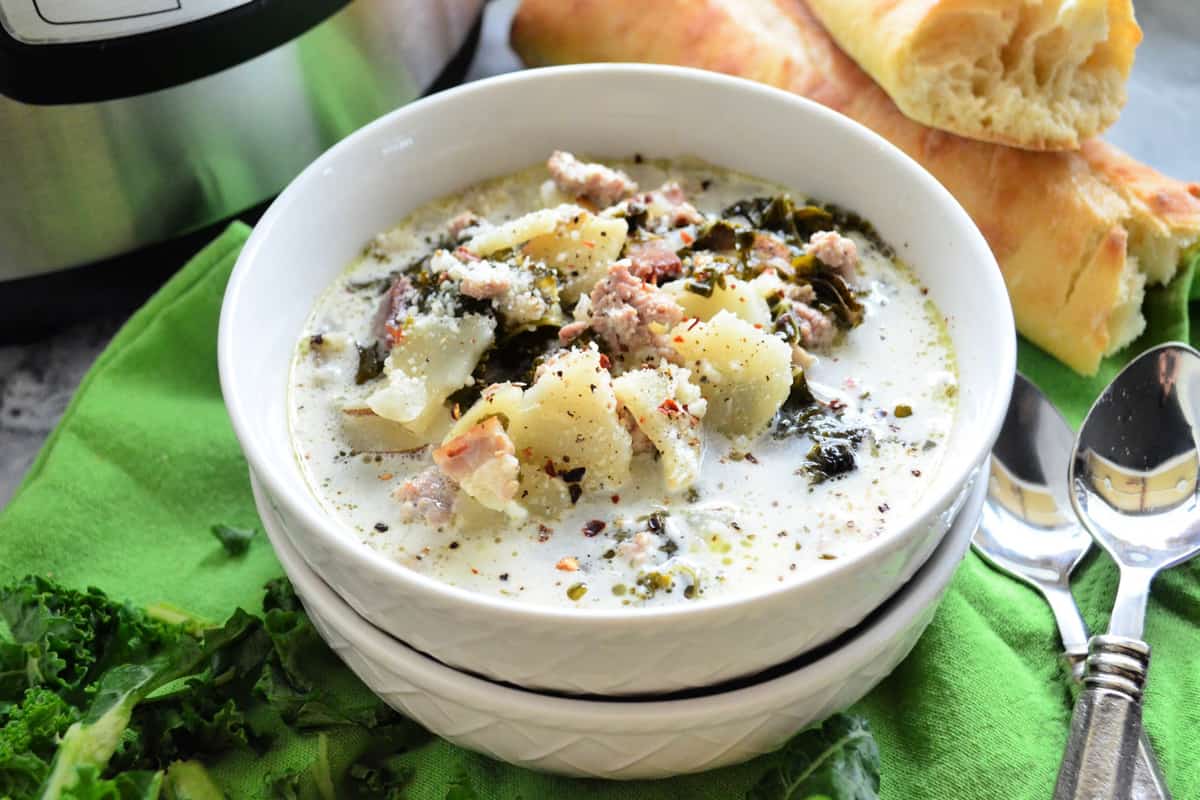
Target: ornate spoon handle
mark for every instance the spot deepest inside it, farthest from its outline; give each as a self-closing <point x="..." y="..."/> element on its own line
<point x="1106" y="728"/>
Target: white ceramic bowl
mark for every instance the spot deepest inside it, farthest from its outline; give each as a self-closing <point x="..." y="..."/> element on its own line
<point x="444" y="143"/>
<point x="626" y="739"/>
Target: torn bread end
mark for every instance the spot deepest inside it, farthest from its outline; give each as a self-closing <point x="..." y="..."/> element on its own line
<point x="1159" y="253"/>
<point x="1125" y="322"/>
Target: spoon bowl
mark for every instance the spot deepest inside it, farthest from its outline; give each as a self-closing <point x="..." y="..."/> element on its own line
<point x="1135" y="471"/>
<point x="1023" y="531"/>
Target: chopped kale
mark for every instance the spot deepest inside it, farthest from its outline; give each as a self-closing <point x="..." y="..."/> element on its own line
<point x="98" y="699"/>
<point x="370" y="363"/>
<point x="719" y="236"/>
<point x="836" y="760"/>
<point x="835" y="296"/>
<point x="236" y="541"/>
<point x="513" y="359"/>
<point x="834" y="442"/>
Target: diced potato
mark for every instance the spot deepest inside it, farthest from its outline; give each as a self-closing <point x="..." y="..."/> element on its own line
<point x="766" y="284"/>
<point x="580" y="250"/>
<point x="541" y="494"/>
<point x="516" y="232"/>
<point x="668" y="408"/>
<point x="434" y="359"/>
<point x="745" y="373"/>
<point x="738" y="297"/>
<point x="569" y="417"/>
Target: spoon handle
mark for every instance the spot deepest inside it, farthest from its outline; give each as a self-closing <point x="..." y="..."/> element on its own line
<point x="1107" y="724"/>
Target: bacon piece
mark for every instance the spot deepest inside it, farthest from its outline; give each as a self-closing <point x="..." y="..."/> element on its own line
<point x="482" y="461"/>
<point x="831" y="248"/>
<point x="456" y="226"/>
<point x="595" y="183"/>
<point x="653" y="260"/>
<point x="430" y="495"/>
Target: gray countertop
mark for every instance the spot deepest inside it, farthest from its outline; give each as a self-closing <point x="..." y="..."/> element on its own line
<point x="1159" y="126"/>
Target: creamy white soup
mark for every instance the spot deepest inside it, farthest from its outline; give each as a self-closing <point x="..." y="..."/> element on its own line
<point x="625" y="384"/>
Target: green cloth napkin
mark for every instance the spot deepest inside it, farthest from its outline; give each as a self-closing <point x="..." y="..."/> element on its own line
<point x="144" y="462"/>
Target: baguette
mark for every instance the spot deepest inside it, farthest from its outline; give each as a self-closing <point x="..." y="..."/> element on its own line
<point x="1077" y="234"/>
<point x="1038" y="74"/>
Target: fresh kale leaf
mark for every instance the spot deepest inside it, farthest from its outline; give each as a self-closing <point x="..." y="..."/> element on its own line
<point x="838" y="760"/>
<point x="88" y="785"/>
<point x="93" y="740"/>
<point x="236" y="541"/>
<point x="29" y="733"/>
<point x="68" y="638"/>
<point x="103" y="701"/>
<point x="189" y="780"/>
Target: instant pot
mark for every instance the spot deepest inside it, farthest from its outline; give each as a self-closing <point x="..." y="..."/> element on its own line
<point x="125" y="123"/>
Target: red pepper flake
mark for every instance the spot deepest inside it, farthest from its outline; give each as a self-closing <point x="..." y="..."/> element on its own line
<point x="394" y="331"/>
<point x="544" y="532"/>
<point x="678" y="339"/>
<point x="836" y="404"/>
<point x="750" y="457"/>
<point x="686" y="237"/>
<point x="474" y="571"/>
<point x="549" y="469"/>
<point x="593" y="527"/>
<point x="669" y="407"/>
<point x="567" y="564"/>
<point x="604" y="362"/>
<point x="616" y="498"/>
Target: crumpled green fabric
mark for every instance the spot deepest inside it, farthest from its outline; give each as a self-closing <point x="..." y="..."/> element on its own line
<point x="144" y="462"/>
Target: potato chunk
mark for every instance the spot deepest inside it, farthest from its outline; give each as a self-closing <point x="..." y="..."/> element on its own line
<point x="510" y="235"/>
<point x="744" y="373"/>
<point x="738" y="297"/>
<point x="580" y="249"/>
<point x="569" y="418"/>
<point x="434" y="358"/>
<point x="668" y="408"/>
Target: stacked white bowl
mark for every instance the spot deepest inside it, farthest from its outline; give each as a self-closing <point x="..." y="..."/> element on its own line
<point x="441" y="653"/>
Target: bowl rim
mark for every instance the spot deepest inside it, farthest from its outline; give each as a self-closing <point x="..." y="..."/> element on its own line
<point x="930" y="582"/>
<point x="349" y="548"/>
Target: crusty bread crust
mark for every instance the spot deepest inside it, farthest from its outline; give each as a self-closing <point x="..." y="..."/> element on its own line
<point x="1060" y="223"/>
<point x="1040" y="75"/>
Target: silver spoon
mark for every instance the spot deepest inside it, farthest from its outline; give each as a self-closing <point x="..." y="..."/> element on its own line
<point x="1133" y="480"/>
<point x="1025" y="532"/>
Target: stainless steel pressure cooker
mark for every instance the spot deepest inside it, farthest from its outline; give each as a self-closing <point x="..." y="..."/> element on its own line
<point x="129" y="122"/>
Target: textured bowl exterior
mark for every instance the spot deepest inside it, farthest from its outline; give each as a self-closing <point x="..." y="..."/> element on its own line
<point x="431" y="148"/>
<point x="624" y="740"/>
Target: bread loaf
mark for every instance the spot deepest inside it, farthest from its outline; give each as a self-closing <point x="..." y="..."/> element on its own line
<point x="1038" y="74"/>
<point x="1077" y="234"/>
